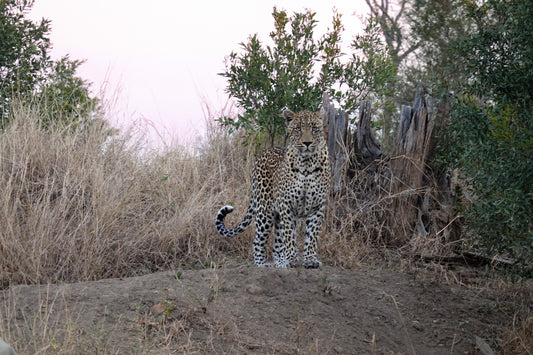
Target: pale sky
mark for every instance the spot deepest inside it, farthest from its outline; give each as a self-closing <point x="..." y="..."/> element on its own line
<point x="160" y="58"/>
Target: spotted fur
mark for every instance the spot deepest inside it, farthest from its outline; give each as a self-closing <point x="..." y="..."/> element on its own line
<point x="288" y="184"/>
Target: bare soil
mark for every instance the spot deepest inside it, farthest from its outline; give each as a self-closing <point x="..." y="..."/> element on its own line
<point x="244" y="309"/>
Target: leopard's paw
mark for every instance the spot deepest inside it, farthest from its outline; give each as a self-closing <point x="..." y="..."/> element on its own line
<point x="311" y="264"/>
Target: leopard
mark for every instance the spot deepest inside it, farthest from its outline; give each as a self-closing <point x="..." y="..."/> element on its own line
<point x="288" y="183"/>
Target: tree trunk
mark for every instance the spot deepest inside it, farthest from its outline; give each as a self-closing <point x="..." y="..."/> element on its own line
<point x="397" y="199"/>
<point x="408" y="167"/>
<point x="424" y="201"/>
<point x="367" y="148"/>
<point x="335" y="129"/>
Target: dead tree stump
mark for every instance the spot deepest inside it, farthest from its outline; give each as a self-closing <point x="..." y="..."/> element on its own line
<point x="422" y="198"/>
<point x="335" y="130"/>
<point x="408" y="165"/>
<point x="367" y="148"/>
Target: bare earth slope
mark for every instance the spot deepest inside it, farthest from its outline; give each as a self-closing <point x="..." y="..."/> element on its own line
<point x="260" y="311"/>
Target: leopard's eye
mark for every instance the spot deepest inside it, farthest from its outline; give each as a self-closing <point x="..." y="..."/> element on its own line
<point x="316" y="130"/>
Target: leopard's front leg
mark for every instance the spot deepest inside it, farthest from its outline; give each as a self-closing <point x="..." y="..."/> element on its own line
<point x="313" y="228"/>
<point x="285" y="253"/>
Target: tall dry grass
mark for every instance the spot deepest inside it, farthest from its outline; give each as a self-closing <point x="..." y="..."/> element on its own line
<point x="86" y="205"/>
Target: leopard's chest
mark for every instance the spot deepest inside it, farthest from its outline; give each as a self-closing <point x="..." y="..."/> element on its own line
<point x="304" y="191"/>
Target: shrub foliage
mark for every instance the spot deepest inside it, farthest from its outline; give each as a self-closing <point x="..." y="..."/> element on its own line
<point x="28" y="73"/>
<point x="492" y="127"/>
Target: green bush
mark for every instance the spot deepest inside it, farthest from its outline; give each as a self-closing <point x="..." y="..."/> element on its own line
<point x="27" y="73"/>
<point x="491" y="130"/>
<point x="297" y="69"/>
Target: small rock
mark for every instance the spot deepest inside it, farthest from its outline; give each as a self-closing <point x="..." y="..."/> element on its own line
<point x="254" y="289"/>
<point x="416" y="324"/>
<point x="5" y="349"/>
<point x="483" y="346"/>
<point x="158" y="309"/>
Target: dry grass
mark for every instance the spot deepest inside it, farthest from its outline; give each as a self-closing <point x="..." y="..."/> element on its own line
<point x="86" y="206"/>
<point x="519" y="335"/>
<point x="51" y="330"/>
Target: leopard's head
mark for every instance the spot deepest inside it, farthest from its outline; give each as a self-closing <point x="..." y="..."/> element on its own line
<point x="305" y="129"/>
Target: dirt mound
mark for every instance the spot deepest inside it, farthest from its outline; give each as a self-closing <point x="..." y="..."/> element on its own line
<point x="253" y="310"/>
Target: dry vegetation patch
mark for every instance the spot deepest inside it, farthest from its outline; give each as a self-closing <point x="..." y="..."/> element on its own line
<point x="86" y="206"/>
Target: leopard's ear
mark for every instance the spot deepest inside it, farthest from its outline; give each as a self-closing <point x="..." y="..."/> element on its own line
<point x="288" y="115"/>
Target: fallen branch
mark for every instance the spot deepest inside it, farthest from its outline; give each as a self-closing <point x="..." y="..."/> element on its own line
<point x="467" y="258"/>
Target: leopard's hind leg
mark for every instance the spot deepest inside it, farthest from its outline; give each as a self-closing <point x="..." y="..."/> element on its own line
<point x="263" y="226"/>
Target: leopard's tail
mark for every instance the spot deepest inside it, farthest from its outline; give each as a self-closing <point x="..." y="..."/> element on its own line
<point x="223" y="212"/>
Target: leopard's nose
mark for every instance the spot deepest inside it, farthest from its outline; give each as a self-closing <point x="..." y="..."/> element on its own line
<point x="307" y="144"/>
